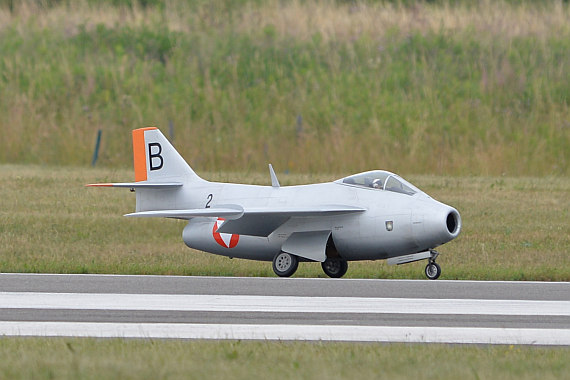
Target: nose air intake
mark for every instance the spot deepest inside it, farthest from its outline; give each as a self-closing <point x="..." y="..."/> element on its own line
<point x="453" y="222"/>
<point x="435" y="224"/>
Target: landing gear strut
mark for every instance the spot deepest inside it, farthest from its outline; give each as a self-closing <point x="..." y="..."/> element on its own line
<point x="433" y="270"/>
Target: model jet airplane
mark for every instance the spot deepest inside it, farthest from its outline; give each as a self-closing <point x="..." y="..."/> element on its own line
<point x="367" y="216"/>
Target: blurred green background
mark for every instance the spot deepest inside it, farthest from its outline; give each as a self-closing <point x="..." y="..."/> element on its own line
<point x="438" y="87"/>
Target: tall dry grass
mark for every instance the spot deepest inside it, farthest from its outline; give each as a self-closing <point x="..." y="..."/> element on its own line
<point x="478" y="88"/>
<point x="333" y="20"/>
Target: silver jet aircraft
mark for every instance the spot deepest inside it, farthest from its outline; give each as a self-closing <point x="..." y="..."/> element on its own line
<point x="367" y="216"/>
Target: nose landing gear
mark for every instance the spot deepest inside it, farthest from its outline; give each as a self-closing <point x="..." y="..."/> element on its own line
<point x="433" y="270"/>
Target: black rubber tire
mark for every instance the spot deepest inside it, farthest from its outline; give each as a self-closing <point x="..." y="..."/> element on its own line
<point x="285" y="264"/>
<point x="335" y="268"/>
<point x="433" y="271"/>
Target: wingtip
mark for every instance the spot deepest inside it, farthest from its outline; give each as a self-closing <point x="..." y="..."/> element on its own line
<point x="99" y="185"/>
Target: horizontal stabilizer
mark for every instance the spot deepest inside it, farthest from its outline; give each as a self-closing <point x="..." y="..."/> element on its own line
<point x="140" y="185"/>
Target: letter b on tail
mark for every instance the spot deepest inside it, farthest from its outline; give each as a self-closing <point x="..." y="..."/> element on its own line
<point x="155" y="160"/>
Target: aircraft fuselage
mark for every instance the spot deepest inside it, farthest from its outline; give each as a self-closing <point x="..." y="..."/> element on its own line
<point x="393" y="224"/>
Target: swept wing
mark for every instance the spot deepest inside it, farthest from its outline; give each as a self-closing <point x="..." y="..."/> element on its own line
<point x="252" y="221"/>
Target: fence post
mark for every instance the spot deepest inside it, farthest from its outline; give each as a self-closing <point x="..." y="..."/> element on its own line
<point x="97" y="145"/>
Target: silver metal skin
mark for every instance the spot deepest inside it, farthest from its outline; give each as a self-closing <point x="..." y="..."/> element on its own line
<point x="369" y="216"/>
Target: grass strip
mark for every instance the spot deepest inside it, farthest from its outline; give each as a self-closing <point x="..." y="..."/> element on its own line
<point x="513" y="228"/>
<point x="65" y="358"/>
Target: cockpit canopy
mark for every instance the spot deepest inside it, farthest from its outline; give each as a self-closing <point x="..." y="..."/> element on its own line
<point x="381" y="180"/>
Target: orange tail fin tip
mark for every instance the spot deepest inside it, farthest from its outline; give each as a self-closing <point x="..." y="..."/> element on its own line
<point x="139" y="153"/>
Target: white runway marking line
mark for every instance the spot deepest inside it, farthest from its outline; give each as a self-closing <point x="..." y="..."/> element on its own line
<point x="290" y="332"/>
<point x="280" y="304"/>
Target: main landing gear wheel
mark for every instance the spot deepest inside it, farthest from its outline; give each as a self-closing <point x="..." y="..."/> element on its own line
<point x="433" y="270"/>
<point x="285" y="264"/>
<point x="334" y="268"/>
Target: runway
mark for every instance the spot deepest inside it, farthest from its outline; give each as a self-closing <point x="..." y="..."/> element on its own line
<point x="285" y="309"/>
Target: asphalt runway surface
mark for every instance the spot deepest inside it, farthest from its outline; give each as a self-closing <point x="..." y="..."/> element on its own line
<point x="475" y="312"/>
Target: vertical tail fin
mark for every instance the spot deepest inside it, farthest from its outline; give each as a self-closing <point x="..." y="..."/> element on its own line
<point x="156" y="160"/>
<point x="162" y="177"/>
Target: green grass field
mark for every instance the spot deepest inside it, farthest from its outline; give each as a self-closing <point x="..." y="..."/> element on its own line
<point x="513" y="228"/>
<point x="144" y="359"/>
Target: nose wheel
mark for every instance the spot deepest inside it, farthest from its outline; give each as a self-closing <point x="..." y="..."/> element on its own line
<point x="433" y="270"/>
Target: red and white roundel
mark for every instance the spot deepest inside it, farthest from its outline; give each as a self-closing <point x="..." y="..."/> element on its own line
<point x="225" y="240"/>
